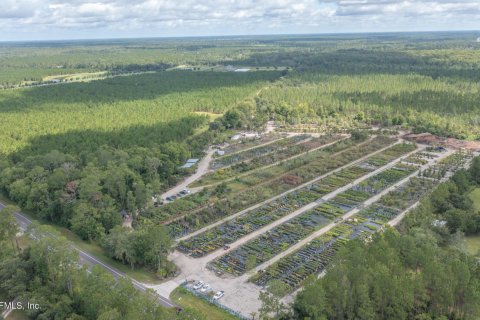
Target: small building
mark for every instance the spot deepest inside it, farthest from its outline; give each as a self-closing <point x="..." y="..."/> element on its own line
<point x="220" y="152"/>
<point x="190" y="163"/>
<point x="236" y="137"/>
<point x="439" y="223"/>
<point x="242" y="70"/>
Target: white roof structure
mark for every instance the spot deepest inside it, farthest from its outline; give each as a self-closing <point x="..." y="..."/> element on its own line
<point x="190" y="163"/>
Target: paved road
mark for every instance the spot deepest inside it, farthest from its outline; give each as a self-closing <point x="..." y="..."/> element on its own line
<point x="87" y="259"/>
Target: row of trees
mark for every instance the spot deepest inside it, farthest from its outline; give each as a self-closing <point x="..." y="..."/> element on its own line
<point x="146" y="246"/>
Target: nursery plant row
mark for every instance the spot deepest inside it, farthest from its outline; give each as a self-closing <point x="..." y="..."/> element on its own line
<point x="226" y="193"/>
<point x="252" y="189"/>
<point x="256" y="152"/>
<point x="253" y="220"/>
<point x="315" y="257"/>
<point x="277" y="155"/>
<point x="242" y="144"/>
<point x="283" y="236"/>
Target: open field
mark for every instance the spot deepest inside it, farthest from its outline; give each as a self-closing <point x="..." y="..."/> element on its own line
<point x="475" y="196"/>
<point x="209" y="311"/>
<point x="473" y="245"/>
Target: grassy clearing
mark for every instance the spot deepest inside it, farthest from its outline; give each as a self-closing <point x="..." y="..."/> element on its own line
<point x="475" y="196"/>
<point x="473" y="245"/>
<point x="95" y="250"/>
<point x="211" y="115"/>
<point x="17" y="315"/>
<point x="77" y="76"/>
<point x="209" y="311"/>
<point x="220" y="68"/>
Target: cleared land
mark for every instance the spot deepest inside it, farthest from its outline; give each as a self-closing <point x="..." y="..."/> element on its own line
<point x="473" y="245"/>
<point x="186" y="299"/>
<point x="475" y="196"/>
<point x="290" y="246"/>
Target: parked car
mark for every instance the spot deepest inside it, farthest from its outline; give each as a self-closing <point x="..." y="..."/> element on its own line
<point x="186" y="191"/>
<point x="198" y="285"/>
<point x="225" y="247"/>
<point x="169" y="198"/>
<point x="173" y="197"/>
<point x="206" y="287"/>
<point x="218" y="295"/>
<point x="338" y="220"/>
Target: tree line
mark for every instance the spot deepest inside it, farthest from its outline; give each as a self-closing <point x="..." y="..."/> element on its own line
<point x="418" y="273"/>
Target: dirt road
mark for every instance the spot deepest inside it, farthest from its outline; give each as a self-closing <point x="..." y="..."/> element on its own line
<point x="202" y="168"/>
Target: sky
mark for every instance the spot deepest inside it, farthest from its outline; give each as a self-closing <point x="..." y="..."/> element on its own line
<point x="96" y="19"/>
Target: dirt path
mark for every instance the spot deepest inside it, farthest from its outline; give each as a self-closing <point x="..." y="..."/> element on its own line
<point x="202" y="168"/>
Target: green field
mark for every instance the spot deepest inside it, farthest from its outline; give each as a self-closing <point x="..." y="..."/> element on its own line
<point x="201" y="307"/>
<point x="18" y="315"/>
<point x="473" y="245"/>
<point x="475" y="196"/>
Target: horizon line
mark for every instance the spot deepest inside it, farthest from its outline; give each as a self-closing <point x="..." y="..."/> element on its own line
<point x="240" y="35"/>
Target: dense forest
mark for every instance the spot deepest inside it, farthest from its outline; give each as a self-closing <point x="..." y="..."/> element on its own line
<point x="351" y="88"/>
<point x="421" y="272"/>
<point x="83" y="154"/>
